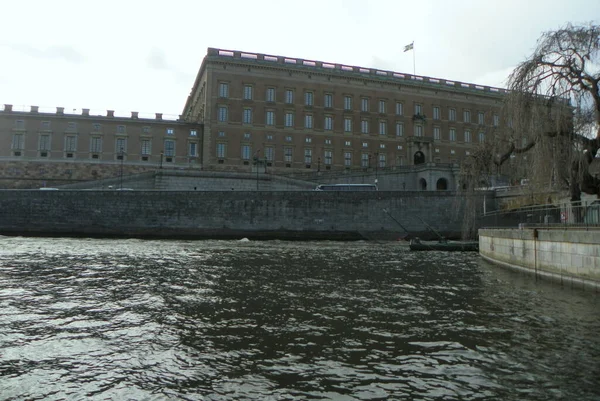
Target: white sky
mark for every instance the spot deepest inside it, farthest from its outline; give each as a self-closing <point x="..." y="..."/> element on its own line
<point x="132" y="55"/>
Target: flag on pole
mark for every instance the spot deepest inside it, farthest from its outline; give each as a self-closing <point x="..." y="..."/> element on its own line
<point x="409" y="47"/>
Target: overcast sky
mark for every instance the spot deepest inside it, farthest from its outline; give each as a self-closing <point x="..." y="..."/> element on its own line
<point x="144" y="55"/>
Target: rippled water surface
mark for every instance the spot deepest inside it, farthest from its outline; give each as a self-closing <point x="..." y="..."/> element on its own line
<point x="219" y="320"/>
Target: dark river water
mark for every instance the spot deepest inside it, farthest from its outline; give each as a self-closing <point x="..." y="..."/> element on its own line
<point x="231" y="320"/>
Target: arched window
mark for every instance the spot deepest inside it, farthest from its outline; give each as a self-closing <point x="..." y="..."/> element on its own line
<point x="423" y="184"/>
<point x="419" y="158"/>
<point x="442" y="184"/>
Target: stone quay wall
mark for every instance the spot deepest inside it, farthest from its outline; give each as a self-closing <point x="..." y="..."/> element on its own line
<point x="230" y="214"/>
<point x="566" y="255"/>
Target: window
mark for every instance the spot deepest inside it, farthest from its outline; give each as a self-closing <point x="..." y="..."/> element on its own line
<point x="381" y="160"/>
<point x="347" y="103"/>
<point x="222" y="110"/>
<point x="223" y="89"/>
<point x="193" y="147"/>
<point x="270" y="118"/>
<point x="146" y="148"/>
<point x="308" y="98"/>
<point x="248" y="92"/>
<point x="169" y="148"/>
<point x="246" y="150"/>
<point x="452" y="134"/>
<point x="365" y="144"/>
<point x="246" y="136"/>
<point x="289" y="119"/>
<point x="289" y="96"/>
<point x="308" y="139"/>
<point x="347" y="159"/>
<point x="44" y="142"/>
<point x="18" y="142"/>
<point x="170" y="131"/>
<point x="347" y="143"/>
<point x="146" y="130"/>
<point x="308" y="121"/>
<point x="481" y="137"/>
<point x="436" y="133"/>
<point x="364" y="126"/>
<point x="328" y="157"/>
<point x="328" y="101"/>
<point x="418" y="109"/>
<point x="45" y="125"/>
<point x="418" y="130"/>
<point x="496" y="120"/>
<point x="287" y="155"/>
<point x="120" y="145"/>
<point x="288" y="138"/>
<point x="364" y="160"/>
<point x="382" y="106"/>
<point x="382" y="146"/>
<point x="72" y="127"/>
<point x="328" y="123"/>
<point x="269" y="137"/>
<point x="270" y="96"/>
<point x="327" y="141"/>
<point x="347" y="124"/>
<point x="436" y="113"/>
<point x="364" y="104"/>
<point x="221" y="134"/>
<point x="221" y="150"/>
<point x="269" y="152"/>
<point x="452" y="151"/>
<point x="399" y="129"/>
<point x="95" y="144"/>
<point x="382" y="127"/>
<point x="307" y="156"/>
<point x="193" y="132"/>
<point x="467" y="116"/>
<point x="467" y="136"/>
<point x="452" y="114"/>
<point x="96" y="127"/>
<point x="20" y="124"/>
<point x="481" y="118"/>
<point x="399" y="109"/>
<point x="121" y="129"/>
<point x="71" y="143"/>
<point x="247" y="116"/>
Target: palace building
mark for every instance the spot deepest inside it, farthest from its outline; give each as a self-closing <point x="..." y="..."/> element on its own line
<point x="288" y="114"/>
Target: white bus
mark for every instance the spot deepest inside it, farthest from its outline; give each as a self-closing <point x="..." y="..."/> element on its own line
<point x="346" y="187"/>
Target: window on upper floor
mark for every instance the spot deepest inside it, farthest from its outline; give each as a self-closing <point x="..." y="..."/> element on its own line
<point x="248" y="92"/>
<point x="364" y="104"/>
<point x="289" y="96"/>
<point x="223" y="89"/>
<point x="328" y="123"/>
<point x="270" y="95"/>
<point x="452" y="114"/>
<point x="399" y="108"/>
<point x="347" y="103"/>
<point x="382" y="106"/>
<point x="466" y="116"/>
<point x="436" y="112"/>
<point x="328" y="100"/>
<point x="309" y="98"/>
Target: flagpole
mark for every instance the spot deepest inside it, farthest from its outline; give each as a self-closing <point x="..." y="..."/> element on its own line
<point x="414" y="62"/>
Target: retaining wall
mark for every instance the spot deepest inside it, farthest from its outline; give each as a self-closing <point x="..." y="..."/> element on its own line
<point x="230" y="214"/>
<point x="561" y="254"/>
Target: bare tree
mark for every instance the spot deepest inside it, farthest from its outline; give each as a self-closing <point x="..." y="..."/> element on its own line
<point x="551" y="116"/>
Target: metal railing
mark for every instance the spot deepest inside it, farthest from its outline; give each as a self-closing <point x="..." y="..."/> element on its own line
<point x="551" y="215"/>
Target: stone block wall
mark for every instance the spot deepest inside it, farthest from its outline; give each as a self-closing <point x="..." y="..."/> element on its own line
<point x="554" y="252"/>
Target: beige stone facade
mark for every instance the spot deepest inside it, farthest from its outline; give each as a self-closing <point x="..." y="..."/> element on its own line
<point x="285" y="114"/>
<point x="52" y="148"/>
<point x="300" y="114"/>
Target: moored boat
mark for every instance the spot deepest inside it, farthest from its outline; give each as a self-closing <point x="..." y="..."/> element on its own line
<point x="444" y="245"/>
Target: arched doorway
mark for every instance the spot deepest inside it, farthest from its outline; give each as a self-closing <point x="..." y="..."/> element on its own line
<point x="442" y="184"/>
<point x="419" y="158"/>
<point x="423" y="184"/>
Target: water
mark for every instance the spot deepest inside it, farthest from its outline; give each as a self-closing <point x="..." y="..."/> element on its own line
<point x="224" y="320"/>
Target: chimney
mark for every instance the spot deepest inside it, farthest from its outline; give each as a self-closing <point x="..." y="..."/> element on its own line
<point x="85" y="112"/>
<point x="159" y="116"/>
<point x="8" y="107"/>
<point x="35" y="109"/>
<point x="110" y="113"/>
<point x="60" y="110"/>
<point x="134" y="114"/>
